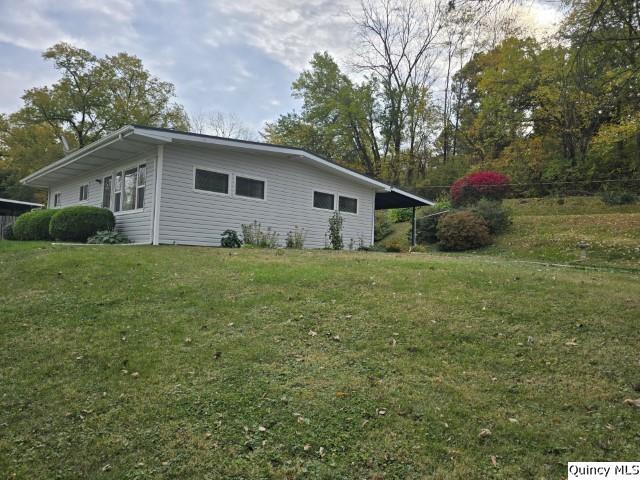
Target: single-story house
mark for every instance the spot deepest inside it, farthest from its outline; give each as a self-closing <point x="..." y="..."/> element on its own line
<point x="171" y="187"/>
<point x="12" y="209"/>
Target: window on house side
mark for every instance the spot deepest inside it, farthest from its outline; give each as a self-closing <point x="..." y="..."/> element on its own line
<point x="323" y="200"/>
<point x="211" y="181"/>
<point x="106" y="192"/>
<point x="248" y="187"/>
<point x="347" y="204"/>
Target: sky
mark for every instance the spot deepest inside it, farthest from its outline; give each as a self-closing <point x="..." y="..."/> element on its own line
<point x="233" y="56"/>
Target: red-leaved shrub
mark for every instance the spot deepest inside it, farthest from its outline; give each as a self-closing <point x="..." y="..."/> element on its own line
<point x="473" y="187"/>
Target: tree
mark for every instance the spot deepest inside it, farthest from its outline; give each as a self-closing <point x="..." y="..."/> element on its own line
<point x="226" y="125"/>
<point x="338" y="119"/>
<point x="97" y="95"/>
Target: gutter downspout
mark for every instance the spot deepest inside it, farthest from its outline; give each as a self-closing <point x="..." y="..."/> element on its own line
<point x="157" y="191"/>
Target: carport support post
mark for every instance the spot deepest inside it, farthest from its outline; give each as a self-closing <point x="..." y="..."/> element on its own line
<point x="413" y="227"/>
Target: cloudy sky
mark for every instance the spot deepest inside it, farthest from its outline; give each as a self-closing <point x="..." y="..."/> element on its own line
<point x="237" y="56"/>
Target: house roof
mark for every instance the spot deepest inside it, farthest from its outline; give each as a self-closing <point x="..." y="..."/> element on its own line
<point x="11" y="207"/>
<point x="132" y="140"/>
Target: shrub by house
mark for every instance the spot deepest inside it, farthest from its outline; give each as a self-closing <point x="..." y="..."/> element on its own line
<point x="33" y="225"/>
<point x="78" y="223"/>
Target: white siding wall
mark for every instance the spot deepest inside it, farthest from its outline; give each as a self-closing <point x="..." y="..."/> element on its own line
<point x="199" y="218"/>
<point x="137" y="225"/>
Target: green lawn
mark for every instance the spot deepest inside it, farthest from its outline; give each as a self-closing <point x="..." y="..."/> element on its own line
<point x="175" y="362"/>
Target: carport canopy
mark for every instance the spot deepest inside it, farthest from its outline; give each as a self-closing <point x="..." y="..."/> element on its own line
<point x="13" y="208"/>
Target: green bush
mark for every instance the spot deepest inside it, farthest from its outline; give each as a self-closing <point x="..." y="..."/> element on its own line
<point x="335" y="231"/>
<point x="296" y="238"/>
<point x="78" y="223"/>
<point x="230" y="239"/>
<point x="427" y="228"/>
<point x="401" y="215"/>
<point x="254" y="236"/>
<point x="382" y="226"/>
<point x="498" y="217"/>
<point x="618" y="197"/>
<point x="462" y="231"/>
<point x="7" y="232"/>
<point x="33" y="225"/>
<point x="108" y="237"/>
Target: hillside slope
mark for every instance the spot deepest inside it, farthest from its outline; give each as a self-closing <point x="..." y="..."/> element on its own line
<point x="546" y="230"/>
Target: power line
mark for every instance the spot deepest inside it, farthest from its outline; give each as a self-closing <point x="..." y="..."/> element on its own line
<point x="567" y="182"/>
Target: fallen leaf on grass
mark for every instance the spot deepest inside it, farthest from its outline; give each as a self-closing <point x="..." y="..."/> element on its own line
<point x="484" y="433"/>
<point x="494" y="461"/>
<point x="342" y="394"/>
<point x="633" y="403"/>
<point x="307" y="447"/>
<point x="312" y="333"/>
<point x="262" y="429"/>
<point x="571" y="343"/>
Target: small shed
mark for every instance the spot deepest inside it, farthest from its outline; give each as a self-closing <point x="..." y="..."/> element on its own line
<point x="12" y="209"/>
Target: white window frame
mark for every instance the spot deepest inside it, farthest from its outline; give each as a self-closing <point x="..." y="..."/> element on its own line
<point x="230" y="182"/>
<point x="250" y="177"/>
<point x="86" y="199"/>
<point x="313" y="203"/>
<point x="122" y="170"/>
<point x="352" y="198"/>
<point x="57" y="196"/>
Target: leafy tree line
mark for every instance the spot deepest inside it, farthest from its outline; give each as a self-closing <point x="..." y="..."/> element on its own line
<point x="559" y="115"/>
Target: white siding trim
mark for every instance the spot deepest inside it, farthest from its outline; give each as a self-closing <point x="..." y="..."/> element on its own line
<point x="156" y="196"/>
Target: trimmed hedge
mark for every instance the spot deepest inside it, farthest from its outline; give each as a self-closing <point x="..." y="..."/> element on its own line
<point x="463" y="231"/>
<point x="33" y="225"/>
<point x="78" y="223"/>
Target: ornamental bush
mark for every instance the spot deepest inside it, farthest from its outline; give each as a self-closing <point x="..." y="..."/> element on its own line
<point x="464" y="230"/>
<point x="77" y="224"/>
<point x="471" y="188"/>
<point x="33" y="225"/>
<point x="230" y="239"/>
<point x="498" y="217"/>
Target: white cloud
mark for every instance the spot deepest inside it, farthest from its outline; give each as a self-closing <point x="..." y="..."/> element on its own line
<point x="289" y="31"/>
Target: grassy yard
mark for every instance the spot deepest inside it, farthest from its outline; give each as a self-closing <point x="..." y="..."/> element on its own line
<point x="176" y="362"/>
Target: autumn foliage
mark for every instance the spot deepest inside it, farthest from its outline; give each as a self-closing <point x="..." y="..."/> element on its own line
<point x="478" y="185"/>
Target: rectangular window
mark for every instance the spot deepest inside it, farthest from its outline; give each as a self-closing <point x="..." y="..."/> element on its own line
<point x="57" y="199"/>
<point x="323" y="200"/>
<point x="142" y="179"/>
<point x="106" y="192"/>
<point x="84" y="192"/>
<point x="129" y="189"/>
<point x="117" y="188"/>
<point x="211" y="181"/>
<point x="347" y="204"/>
<point x="248" y="187"/>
